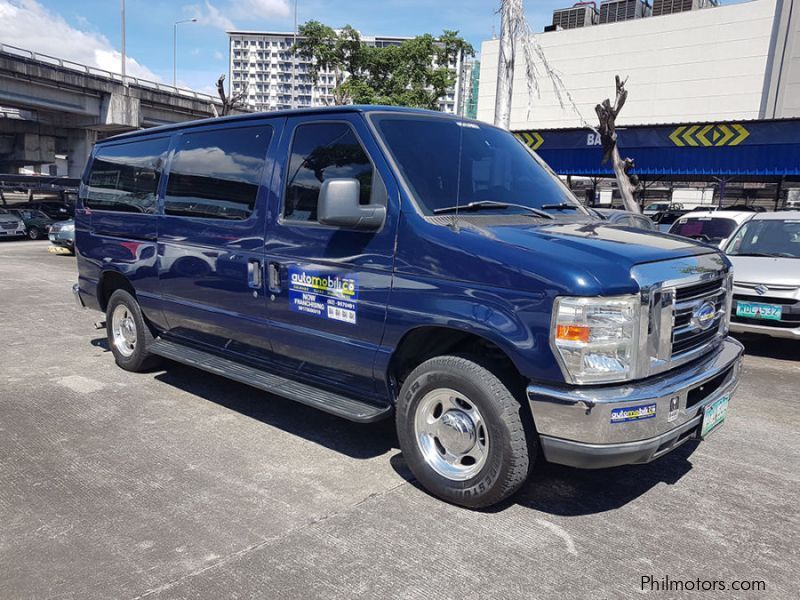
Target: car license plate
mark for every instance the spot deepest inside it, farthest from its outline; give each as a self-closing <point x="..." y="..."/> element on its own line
<point x="754" y="310"/>
<point x="714" y="414"/>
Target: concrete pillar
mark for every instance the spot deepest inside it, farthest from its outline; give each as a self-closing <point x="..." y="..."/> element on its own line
<point x="79" y="146"/>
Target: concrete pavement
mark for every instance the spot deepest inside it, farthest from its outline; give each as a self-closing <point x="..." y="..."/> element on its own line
<point x="180" y="484"/>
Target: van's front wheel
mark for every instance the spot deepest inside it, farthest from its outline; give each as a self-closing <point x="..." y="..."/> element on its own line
<point x="462" y="432"/>
<point x="128" y="335"/>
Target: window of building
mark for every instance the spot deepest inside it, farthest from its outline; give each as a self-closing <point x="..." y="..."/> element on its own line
<point x="216" y="174"/>
<point x="124" y="177"/>
<point x="322" y="151"/>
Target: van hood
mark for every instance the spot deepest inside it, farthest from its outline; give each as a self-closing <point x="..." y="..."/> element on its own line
<point x="581" y="257"/>
<point x="765" y="270"/>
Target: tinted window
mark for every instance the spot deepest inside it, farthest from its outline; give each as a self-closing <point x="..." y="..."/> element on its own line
<point x="215" y="174"/>
<point x="448" y="162"/>
<point x="706" y="229"/>
<point x="124" y="177"/>
<point x="323" y="151"/>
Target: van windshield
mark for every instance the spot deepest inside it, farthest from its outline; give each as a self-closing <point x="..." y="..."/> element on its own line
<point x="479" y="168"/>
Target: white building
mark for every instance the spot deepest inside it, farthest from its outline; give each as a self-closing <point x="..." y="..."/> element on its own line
<point x="738" y="61"/>
<point x="262" y="62"/>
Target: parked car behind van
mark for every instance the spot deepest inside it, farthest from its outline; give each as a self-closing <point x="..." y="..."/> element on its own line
<point x="36" y="222"/>
<point x="626" y="218"/>
<point x="383" y="262"/>
<point x="62" y="236"/>
<point x="766" y="290"/>
<point x="710" y="226"/>
<point x="11" y="226"/>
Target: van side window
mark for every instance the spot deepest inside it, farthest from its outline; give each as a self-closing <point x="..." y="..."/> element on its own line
<point x="323" y="151"/>
<point x="124" y="177"/>
<point x="216" y="174"/>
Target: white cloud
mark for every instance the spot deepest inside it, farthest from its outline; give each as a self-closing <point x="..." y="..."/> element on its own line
<point x="208" y="14"/>
<point x="260" y="9"/>
<point x="244" y="10"/>
<point x="29" y="25"/>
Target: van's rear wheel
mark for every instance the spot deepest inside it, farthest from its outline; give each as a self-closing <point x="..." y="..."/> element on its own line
<point x="129" y="337"/>
<point x="462" y="432"/>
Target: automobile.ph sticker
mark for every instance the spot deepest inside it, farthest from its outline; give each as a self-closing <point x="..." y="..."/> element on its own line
<point x="633" y="413"/>
<point x="328" y="296"/>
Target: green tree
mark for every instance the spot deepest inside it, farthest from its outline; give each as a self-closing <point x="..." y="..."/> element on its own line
<point x="415" y="73"/>
<point x="339" y="52"/>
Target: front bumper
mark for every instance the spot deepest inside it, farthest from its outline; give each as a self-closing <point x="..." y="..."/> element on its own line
<point x="9" y="233"/>
<point x="577" y="427"/>
<point x="776" y="332"/>
<point x="64" y="239"/>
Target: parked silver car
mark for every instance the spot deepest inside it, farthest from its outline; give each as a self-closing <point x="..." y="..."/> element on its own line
<point x="11" y="226"/>
<point x="765" y="253"/>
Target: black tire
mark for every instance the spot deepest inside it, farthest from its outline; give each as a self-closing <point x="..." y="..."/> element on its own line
<point x="34" y="233"/>
<point x="512" y="441"/>
<point x="140" y="359"/>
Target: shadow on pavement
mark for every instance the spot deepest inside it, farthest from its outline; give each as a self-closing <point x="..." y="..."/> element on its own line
<point x="767" y="347"/>
<point x="568" y="492"/>
<point x="352" y="439"/>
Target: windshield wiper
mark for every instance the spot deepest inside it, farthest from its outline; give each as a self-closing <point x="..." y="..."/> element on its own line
<point x="759" y="254"/>
<point x="561" y="206"/>
<point x="489" y="205"/>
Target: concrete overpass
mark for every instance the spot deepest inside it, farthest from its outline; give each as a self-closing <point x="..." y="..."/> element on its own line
<point x="61" y="107"/>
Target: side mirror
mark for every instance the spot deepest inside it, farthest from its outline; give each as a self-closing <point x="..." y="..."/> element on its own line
<point x="339" y="206"/>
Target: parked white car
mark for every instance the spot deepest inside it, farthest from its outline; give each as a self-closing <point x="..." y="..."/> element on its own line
<point x="766" y="265"/>
<point x="710" y="226"/>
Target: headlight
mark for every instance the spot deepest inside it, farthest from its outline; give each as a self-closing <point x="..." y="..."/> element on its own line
<point x="68" y="227"/>
<point x="596" y="339"/>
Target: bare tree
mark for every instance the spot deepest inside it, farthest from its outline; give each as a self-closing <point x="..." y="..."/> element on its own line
<point x="230" y="102"/>
<point x="608" y="134"/>
<point x="511" y="17"/>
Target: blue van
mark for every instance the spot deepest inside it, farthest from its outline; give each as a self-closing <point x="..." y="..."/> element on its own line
<point x="375" y="262"/>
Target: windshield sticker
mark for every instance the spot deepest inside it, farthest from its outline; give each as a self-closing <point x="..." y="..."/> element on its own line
<point x="328" y="296"/>
<point x="633" y="413"/>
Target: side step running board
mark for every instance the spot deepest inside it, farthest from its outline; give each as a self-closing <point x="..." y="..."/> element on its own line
<point x="341" y="406"/>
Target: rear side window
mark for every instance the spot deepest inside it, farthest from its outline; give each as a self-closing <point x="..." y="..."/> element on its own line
<point x="322" y="151"/>
<point x="216" y="174"/>
<point x="124" y="177"/>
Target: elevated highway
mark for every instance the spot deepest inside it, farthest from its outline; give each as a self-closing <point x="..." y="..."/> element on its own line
<point x="61" y="107"/>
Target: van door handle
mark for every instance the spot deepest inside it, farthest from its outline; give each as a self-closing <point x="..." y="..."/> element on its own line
<point x="254" y="273"/>
<point x="274" y="281"/>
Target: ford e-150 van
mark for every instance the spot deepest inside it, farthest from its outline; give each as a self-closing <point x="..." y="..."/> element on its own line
<point x="375" y="262"/>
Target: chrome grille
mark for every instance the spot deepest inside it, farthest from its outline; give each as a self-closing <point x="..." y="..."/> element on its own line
<point x="689" y="333"/>
<point x="9" y="225"/>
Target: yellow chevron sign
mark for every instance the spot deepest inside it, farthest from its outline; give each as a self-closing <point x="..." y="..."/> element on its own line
<point x="530" y="138"/>
<point x="709" y="135"/>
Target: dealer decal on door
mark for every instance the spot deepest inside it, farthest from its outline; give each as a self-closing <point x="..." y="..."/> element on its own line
<point x="323" y="295"/>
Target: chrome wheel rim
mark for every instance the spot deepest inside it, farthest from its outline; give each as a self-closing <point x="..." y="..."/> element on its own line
<point x="451" y="434"/>
<point x="123" y="330"/>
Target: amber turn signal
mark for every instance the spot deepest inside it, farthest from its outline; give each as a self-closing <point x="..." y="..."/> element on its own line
<point x="572" y="333"/>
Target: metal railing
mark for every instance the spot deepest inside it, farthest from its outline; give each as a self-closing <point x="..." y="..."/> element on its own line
<point x="109" y="75"/>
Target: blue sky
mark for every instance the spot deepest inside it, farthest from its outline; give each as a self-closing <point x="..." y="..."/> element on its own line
<point x="89" y="31"/>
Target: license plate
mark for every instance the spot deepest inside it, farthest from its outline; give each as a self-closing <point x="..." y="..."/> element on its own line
<point x="754" y="310"/>
<point x="714" y="415"/>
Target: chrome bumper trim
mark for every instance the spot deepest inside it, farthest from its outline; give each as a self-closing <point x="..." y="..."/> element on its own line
<point x="76" y="293"/>
<point x="583" y="414"/>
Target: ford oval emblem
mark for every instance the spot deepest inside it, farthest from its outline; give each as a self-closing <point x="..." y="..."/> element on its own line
<point x="704" y="316"/>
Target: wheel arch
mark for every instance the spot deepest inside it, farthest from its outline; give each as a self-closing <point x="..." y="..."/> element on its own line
<point x="109" y="282"/>
<point x="428" y="341"/>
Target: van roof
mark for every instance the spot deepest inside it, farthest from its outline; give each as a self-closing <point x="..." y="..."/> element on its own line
<point x="322" y="110"/>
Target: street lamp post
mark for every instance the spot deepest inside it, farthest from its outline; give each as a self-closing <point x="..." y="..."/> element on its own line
<point x="123" y="42"/>
<point x="175" y="49"/>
